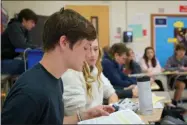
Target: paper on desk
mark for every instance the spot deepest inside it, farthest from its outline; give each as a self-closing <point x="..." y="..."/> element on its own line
<point x="158" y="105"/>
<point x="154" y="86"/>
<point x="156" y="98"/>
<point x="120" y="117"/>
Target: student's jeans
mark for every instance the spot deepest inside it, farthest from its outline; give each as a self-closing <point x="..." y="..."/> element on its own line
<point x="12" y="66"/>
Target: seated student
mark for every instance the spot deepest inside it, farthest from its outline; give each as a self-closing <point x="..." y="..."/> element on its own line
<point x="113" y="70"/>
<point x="151" y="65"/>
<point x="105" y="51"/>
<point x="16" y="35"/>
<point x="131" y="66"/>
<point x="178" y="62"/>
<point x="84" y="90"/>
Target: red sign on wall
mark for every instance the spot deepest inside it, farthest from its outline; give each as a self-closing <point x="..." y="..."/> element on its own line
<point x="183" y="8"/>
<point x="144" y="32"/>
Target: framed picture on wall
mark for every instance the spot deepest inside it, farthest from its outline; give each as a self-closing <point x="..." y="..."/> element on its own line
<point x="94" y="21"/>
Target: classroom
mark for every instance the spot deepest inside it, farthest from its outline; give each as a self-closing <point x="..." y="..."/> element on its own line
<point x="94" y="62"/>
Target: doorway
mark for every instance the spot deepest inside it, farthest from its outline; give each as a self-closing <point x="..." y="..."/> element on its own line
<point x="99" y="12"/>
<point x="163" y="33"/>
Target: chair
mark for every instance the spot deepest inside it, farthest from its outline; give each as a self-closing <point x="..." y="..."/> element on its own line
<point x="33" y="57"/>
<point x="30" y="56"/>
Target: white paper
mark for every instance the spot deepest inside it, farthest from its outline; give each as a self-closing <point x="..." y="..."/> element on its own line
<point x="158" y="105"/>
<point x="120" y="117"/>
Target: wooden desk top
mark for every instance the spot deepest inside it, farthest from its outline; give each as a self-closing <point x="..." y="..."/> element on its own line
<point x="158" y="74"/>
<point x="166" y="95"/>
<point x="159" y="93"/>
<point x="156" y="115"/>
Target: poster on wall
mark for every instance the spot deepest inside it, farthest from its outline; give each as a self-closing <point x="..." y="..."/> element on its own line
<point x="180" y="33"/>
<point x="137" y="30"/>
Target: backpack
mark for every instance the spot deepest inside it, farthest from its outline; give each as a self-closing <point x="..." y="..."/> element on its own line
<point x="172" y="115"/>
<point x="176" y="112"/>
<point x="172" y="121"/>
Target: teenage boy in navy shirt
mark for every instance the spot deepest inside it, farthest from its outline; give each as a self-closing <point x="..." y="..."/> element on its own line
<point x="36" y="97"/>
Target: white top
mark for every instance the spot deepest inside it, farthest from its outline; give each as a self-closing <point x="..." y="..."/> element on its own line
<point x="75" y="93"/>
<point x="153" y="70"/>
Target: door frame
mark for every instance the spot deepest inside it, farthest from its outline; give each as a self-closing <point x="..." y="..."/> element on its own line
<point x="152" y="24"/>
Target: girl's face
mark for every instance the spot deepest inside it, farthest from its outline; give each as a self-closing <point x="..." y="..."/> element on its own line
<point x="120" y="59"/>
<point x="150" y="54"/>
<point x="92" y="56"/>
<point x="131" y="55"/>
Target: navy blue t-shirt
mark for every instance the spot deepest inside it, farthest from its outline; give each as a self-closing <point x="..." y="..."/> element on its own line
<point x="35" y="98"/>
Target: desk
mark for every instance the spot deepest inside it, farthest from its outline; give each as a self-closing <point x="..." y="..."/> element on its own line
<point x="156" y="115"/>
<point x="167" y="99"/>
<point x="162" y="73"/>
<point x="19" y="50"/>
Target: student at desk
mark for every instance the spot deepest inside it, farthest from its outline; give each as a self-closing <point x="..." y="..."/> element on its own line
<point x="105" y="51"/>
<point x="113" y="69"/>
<point x="86" y="89"/>
<point x="178" y="62"/>
<point x="16" y="35"/>
<point x="131" y="66"/>
<point x="151" y="66"/>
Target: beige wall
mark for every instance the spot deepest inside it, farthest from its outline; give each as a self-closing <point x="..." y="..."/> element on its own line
<point x="118" y="11"/>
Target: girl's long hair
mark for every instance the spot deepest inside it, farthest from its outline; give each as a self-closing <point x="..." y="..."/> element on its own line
<point x="89" y="79"/>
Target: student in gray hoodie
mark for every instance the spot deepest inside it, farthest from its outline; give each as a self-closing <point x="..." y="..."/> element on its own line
<point x="16" y="35"/>
<point x="178" y="62"/>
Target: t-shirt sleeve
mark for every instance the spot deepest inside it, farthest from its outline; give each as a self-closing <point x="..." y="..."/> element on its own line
<point x="19" y="109"/>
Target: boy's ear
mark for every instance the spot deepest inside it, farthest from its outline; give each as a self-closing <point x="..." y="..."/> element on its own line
<point x="63" y="41"/>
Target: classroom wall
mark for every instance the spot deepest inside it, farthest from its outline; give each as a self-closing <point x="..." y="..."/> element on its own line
<point x="144" y="9"/>
<point x="122" y="13"/>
